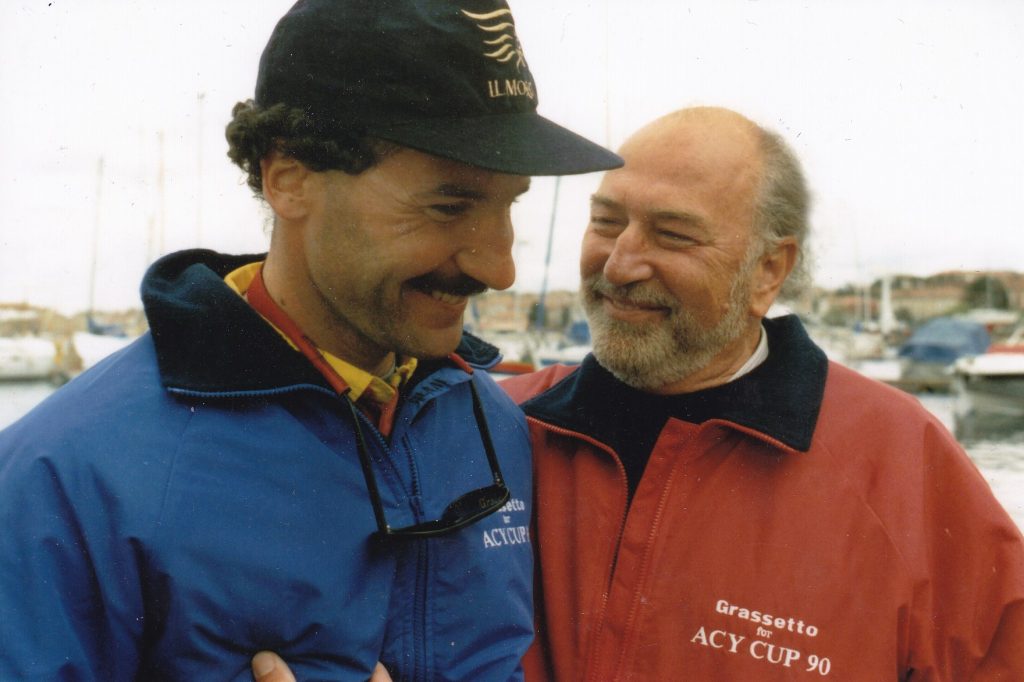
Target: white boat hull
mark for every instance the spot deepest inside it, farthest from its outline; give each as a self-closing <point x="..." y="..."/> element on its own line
<point x="27" y="359"/>
<point x="91" y="348"/>
<point x="992" y="383"/>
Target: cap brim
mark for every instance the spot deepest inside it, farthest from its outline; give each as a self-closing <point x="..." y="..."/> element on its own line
<point x="518" y="144"/>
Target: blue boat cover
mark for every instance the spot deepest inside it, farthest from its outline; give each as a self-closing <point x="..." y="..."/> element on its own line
<point x="945" y="339"/>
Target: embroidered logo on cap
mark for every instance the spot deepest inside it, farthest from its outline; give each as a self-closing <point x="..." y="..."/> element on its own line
<point x="503" y="48"/>
<point x="506" y="44"/>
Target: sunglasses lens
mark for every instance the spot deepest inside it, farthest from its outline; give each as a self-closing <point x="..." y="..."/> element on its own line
<point x="475" y="504"/>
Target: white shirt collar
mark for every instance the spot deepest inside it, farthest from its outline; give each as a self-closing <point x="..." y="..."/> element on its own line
<point x="759" y="355"/>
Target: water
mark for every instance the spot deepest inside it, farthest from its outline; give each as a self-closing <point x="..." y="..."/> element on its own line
<point x="997" y="448"/>
<point x="17" y="398"/>
<point x="995" y="445"/>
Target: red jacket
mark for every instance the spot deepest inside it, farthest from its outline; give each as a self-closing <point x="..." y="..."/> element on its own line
<point x="800" y="523"/>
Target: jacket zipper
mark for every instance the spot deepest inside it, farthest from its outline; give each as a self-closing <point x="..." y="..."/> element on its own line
<point x="591" y="654"/>
<point x="644" y="566"/>
<point x="420" y="668"/>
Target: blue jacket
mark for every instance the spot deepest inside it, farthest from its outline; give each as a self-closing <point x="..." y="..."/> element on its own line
<point x="197" y="497"/>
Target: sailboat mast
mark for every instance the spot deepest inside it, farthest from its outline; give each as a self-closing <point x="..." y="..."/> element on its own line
<point x="95" y="239"/>
<point x="199" y="169"/>
<point x="160" y="181"/>
<point x="539" y="322"/>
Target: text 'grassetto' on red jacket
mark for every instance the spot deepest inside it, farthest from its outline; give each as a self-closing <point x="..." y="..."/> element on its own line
<point x="800" y="523"/>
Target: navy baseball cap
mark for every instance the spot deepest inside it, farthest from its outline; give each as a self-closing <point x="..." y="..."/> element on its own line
<point x="446" y="77"/>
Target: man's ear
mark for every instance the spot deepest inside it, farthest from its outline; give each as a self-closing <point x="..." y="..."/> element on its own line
<point x="286" y="185"/>
<point x="771" y="271"/>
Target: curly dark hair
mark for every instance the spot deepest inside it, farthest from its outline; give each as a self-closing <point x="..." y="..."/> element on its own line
<point x="254" y="132"/>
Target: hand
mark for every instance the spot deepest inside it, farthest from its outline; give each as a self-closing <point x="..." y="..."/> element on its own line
<point x="268" y="667"/>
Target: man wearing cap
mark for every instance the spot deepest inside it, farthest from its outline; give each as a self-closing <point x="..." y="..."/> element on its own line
<point x="307" y="432"/>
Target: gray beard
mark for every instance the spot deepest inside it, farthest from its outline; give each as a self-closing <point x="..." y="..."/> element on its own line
<point x="649" y="356"/>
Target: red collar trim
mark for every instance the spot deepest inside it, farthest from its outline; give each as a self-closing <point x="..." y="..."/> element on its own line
<point x="260" y="300"/>
<point x="460" y="363"/>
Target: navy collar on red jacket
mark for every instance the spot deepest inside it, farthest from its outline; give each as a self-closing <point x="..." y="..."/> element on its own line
<point x="209" y="340"/>
<point x="780" y="399"/>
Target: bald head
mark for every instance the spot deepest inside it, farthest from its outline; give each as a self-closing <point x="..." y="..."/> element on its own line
<point x="707" y="135"/>
<point x="713" y="154"/>
<point x="711" y="134"/>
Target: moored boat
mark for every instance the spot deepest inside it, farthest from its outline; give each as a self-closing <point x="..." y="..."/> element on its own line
<point x="929" y="355"/>
<point x="993" y="382"/>
<point x="27" y="358"/>
<point x="90" y="348"/>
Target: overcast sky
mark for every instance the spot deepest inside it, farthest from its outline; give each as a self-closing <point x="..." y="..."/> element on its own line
<point x="906" y="114"/>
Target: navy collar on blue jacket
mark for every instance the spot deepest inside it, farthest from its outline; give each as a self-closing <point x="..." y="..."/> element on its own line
<point x="781" y="398"/>
<point x="209" y="340"/>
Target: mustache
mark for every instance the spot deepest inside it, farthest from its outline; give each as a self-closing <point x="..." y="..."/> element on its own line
<point x="638" y="293"/>
<point x="462" y="285"/>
